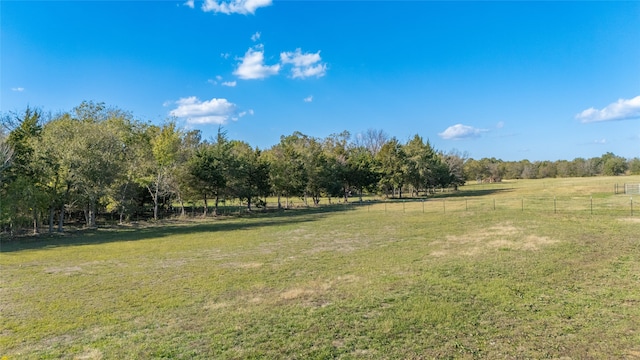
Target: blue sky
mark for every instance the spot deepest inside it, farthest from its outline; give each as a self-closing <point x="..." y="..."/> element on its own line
<point x="511" y="80"/>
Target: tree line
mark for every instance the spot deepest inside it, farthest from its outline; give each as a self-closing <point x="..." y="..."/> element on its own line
<point x="96" y="159"/>
<point x="492" y="169"/>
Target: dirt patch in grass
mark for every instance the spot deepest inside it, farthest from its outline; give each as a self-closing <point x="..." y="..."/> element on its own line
<point x="90" y="354"/>
<point x="65" y="270"/>
<point x="631" y="220"/>
<point x="499" y="237"/>
<point x="243" y="265"/>
<point x="212" y="305"/>
<point x="296" y="293"/>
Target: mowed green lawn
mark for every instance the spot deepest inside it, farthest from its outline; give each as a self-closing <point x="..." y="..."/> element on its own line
<point x="349" y="282"/>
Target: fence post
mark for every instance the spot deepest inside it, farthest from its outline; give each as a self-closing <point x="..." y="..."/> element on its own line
<point x="591" y="205"/>
<point x="522" y="204"/>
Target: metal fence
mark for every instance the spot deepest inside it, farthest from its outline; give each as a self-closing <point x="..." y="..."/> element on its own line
<point x="616" y="205"/>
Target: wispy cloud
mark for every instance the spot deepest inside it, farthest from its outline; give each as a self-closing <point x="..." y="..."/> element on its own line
<point x="459" y="131"/>
<point x="620" y="110"/>
<point x="189" y="3"/>
<point x="17" y="89"/>
<point x="500" y="125"/>
<point x="252" y="65"/>
<point x="229" y="83"/>
<point x="601" y="141"/>
<point x="304" y="64"/>
<point x="214" y="111"/>
<point x="308" y="99"/>
<point x="215" y="81"/>
<point x="255" y="37"/>
<point x="243" y="7"/>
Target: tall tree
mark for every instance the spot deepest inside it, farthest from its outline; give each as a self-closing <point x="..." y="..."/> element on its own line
<point x="393" y="167"/>
<point x="286" y="169"/>
<point x="165" y="144"/>
<point x="362" y="172"/>
<point x="454" y="162"/>
<point x="24" y="177"/>
<point x="249" y="173"/>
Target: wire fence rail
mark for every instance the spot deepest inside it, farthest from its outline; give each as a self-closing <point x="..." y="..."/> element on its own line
<point x="618" y="205"/>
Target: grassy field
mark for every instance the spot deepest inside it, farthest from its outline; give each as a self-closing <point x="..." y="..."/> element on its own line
<point x="446" y="278"/>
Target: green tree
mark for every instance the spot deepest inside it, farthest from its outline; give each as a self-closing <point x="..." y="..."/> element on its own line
<point x="249" y="173"/>
<point x="362" y="172"/>
<point x="454" y="164"/>
<point x="393" y="167"/>
<point x="634" y="166"/>
<point x="209" y="169"/>
<point x="162" y="158"/>
<point x="286" y="169"/>
<point x="613" y="165"/>
<point x="24" y="179"/>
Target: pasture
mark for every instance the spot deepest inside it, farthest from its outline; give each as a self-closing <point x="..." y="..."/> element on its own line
<point x="473" y="274"/>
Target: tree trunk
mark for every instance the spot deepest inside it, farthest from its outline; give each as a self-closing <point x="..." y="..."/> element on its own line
<point x="206" y="206"/>
<point x="35" y="222"/>
<point x="182" y="211"/>
<point x="155" y="206"/>
<point x="61" y="218"/>
<point x="215" y="208"/>
<point x="52" y="213"/>
<point x="92" y="214"/>
<point x="87" y="220"/>
<point x="249" y="203"/>
<point x="279" y="204"/>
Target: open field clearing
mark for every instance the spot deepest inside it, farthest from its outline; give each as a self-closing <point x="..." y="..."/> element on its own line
<point x="349" y="282"/>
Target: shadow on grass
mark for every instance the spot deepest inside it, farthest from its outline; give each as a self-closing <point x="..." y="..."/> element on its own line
<point x="170" y="228"/>
<point x="472" y="193"/>
<point x="455" y="194"/>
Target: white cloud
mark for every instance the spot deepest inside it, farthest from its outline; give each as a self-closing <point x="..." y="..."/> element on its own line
<point x="255" y="37"/>
<point x="229" y="83"/>
<point x="189" y="3"/>
<point x="225" y="55"/>
<point x="459" y="131"/>
<point x="253" y="67"/>
<point x="500" y="124"/>
<point x="304" y="64"/>
<point x="601" y="141"/>
<point x="216" y="81"/>
<point x="308" y="98"/>
<point x="17" y="89"/>
<point x="214" y="111"/>
<point x="621" y="110"/>
<point x="234" y="6"/>
<point x="244" y="113"/>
